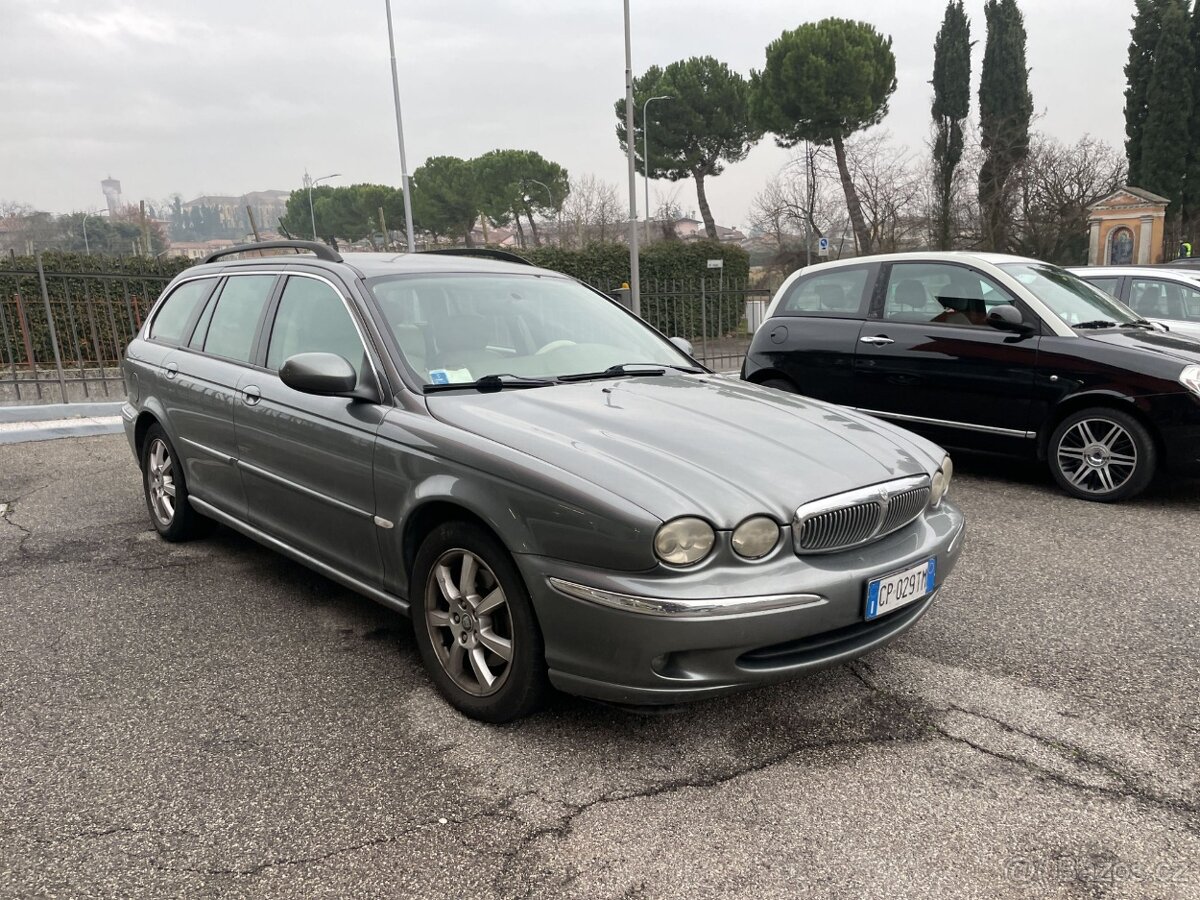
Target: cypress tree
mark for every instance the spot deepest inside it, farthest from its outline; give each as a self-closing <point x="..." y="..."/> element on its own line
<point x="1165" y="144"/>
<point x="1191" y="186"/>
<point x="1005" y="108"/>
<point x="1143" y="38"/>
<point x="951" y="105"/>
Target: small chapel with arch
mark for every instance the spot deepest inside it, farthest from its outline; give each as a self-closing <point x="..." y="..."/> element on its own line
<point x="1126" y="228"/>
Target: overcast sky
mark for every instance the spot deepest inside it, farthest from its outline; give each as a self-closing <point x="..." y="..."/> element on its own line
<point x="229" y="97"/>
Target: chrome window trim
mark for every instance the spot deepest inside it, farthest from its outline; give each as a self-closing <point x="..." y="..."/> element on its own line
<point x="946" y="423"/>
<point x="705" y="608"/>
<point x="876" y="493"/>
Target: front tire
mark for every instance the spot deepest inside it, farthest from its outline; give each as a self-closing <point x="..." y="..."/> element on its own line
<point x="474" y="625"/>
<point x="1104" y="455"/>
<point x="165" y="488"/>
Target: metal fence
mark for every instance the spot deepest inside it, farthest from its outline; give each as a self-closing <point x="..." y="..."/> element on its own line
<point x="62" y="334"/>
<point x="716" y="316"/>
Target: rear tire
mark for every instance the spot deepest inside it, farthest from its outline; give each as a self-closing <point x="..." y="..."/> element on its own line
<point x="474" y="625"/>
<point x="1102" y="454"/>
<point x="165" y="488"/>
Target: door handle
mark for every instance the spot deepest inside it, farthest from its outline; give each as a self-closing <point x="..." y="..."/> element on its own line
<point x="877" y="340"/>
<point x="172" y="370"/>
<point x="251" y="395"/>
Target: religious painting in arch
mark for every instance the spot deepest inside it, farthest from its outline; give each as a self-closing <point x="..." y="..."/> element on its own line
<point x="1120" y="247"/>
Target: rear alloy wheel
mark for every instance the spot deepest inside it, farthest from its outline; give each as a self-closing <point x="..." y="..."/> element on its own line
<point x="474" y="624"/>
<point x="166" y="491"/>
<point x="1102" y="454"/>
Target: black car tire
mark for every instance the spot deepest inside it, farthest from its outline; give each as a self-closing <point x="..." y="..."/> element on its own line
<point x="523" y="683"/>
<point x="1131" y="443"/>
<point x="179" y="522"/>
<point x="780" y="384"/>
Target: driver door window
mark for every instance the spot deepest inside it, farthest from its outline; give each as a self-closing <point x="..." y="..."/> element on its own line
<point x="1164" y="299"/>
<point x="313" y="319"/>
<point x="940" y="293"/>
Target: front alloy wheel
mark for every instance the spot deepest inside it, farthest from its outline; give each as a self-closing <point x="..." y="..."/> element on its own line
<point x="469" y="622"/>
<point x="474" y="624"/>
<point x="1102" y="454"/>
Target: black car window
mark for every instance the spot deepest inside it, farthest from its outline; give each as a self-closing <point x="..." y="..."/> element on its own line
<point x="235" y="318"/>
<point x="942" y="293"/>
<point x="838" y="293"/>
<point x="176" y="311"/>
<point x="313" y="319"/>
<point x="1164" y="299"/>
<point x="1110" y="286"/>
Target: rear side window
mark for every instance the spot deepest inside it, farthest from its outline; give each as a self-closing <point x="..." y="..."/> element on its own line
<point x="176" y="311"/>
<point x="235" y="317"/>
<point x="1108" y="285"/>
<point x="313" y="319"/>
<point x="840" y="293"/>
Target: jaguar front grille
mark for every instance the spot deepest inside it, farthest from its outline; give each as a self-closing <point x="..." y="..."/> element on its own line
<point x="860" y="516"/>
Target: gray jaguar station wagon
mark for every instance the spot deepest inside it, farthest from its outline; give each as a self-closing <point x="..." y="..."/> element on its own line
<point x="556" y="493"/>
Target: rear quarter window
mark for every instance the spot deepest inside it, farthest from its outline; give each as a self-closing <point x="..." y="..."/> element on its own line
<point x="841" y="293"/>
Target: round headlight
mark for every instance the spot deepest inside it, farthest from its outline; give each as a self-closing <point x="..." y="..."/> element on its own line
<point x="940" y="485"/>
<point x="682" y="542"/>
<point x="755" y="537"/>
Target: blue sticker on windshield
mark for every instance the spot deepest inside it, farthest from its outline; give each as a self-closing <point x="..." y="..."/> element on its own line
<point x="439" y="376"/>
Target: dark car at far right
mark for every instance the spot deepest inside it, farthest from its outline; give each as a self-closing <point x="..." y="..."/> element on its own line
<point x="992" y="353"/>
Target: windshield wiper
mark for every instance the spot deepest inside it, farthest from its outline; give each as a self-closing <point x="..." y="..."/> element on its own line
<point x="1096" y="323"/>
<point x="489" y="384"/>
<point x="1140" y="323"/>
<point x="624" y="369"/>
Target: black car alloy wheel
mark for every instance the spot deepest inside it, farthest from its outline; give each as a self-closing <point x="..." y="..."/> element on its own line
<point x="1102" y="454"/>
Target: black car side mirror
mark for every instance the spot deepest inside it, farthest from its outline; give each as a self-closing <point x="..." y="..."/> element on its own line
<point x="324" y="374"/>
<point x="1007" y="317"/>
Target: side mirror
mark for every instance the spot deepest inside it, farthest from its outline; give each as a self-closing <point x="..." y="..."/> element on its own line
<point x="1007" y="317"/>
<point x="324" y="374"/>
<point x="684" y="345"/>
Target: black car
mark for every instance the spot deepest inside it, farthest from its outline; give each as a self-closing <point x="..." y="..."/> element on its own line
<point x="992" y="353"/>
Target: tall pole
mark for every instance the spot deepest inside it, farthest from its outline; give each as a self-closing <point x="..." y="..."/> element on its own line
<point x="87" y="250"/>
<point x="635" y="285"/>
<point x="404" y="184"/>
<point x="311" y="213"/>
<point x="646" y="154"/>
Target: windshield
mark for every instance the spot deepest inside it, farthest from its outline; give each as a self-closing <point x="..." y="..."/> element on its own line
<point x="460" y="328"/>
<point x="1069" y="297"/>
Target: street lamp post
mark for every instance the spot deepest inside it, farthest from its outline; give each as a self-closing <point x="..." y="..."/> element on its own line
<point x="87" y="249"/>
<point x="635" y="278"/>
<point x="404" y="183"/>
<point x="646" y="154"/>
<point x="308" y="183"/>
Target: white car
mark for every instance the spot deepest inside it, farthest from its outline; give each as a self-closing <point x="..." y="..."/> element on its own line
<point x="1169" y="296"/>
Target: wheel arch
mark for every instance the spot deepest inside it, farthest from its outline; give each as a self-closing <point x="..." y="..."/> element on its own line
<point x="428" y="515"/>
<point x="1077" y="402"/>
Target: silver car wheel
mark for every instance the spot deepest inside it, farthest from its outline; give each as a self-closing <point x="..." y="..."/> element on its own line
<point x="469" y="622"/>
<point x="1097" y="456"/>
<point x="160" y="481"/>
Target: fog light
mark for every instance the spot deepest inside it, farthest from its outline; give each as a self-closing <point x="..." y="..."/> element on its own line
<point x="755" y="537"/>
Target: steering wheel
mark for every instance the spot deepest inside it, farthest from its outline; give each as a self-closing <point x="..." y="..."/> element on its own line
<point x="553" y="345"/>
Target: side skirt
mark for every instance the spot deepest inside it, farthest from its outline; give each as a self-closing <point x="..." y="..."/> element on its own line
<point x="381" y="597"/>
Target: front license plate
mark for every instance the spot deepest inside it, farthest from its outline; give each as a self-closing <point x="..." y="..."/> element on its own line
<point x="900" y="588"/>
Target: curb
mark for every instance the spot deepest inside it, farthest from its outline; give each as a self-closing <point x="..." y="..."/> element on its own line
<point x="52" y="412"/>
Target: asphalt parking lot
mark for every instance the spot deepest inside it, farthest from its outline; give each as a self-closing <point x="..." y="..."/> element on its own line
<point x="210" y="719"/>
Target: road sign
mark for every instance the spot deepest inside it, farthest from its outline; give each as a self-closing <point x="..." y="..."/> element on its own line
<point x="716" y="263"/>
<point x="823" y="247"/>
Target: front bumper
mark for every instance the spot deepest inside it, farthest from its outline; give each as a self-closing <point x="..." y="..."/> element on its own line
<point x="650" y="638"/>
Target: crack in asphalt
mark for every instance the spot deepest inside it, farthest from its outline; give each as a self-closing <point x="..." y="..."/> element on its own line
<point x="1129" y="787"/>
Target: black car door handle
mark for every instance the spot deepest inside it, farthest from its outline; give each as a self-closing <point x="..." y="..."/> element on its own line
<point x="877" y="339"/>
<point x="251" y="395"/>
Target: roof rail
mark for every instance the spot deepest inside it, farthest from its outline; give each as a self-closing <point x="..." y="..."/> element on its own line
<point x="485" y="252"/>
<point x="322" y="251"/>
